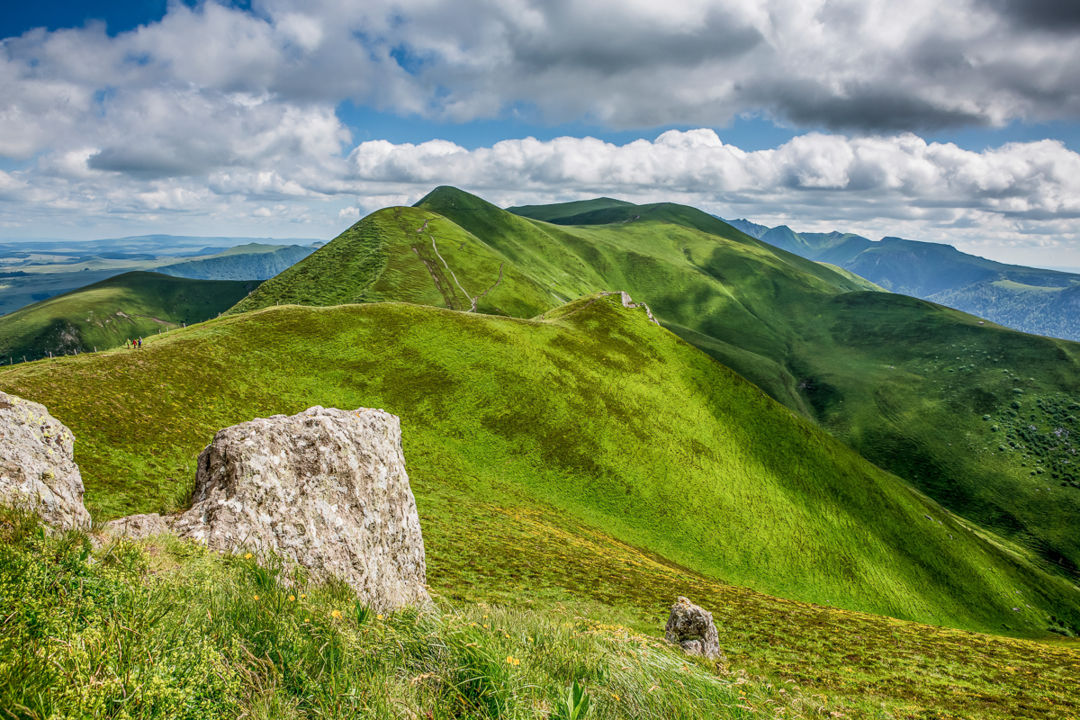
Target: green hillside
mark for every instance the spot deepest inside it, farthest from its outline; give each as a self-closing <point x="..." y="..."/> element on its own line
<point x="981" y="418"/>
<point x="1033" y="300"/>
<point x="108" y="313"/>
<point x="595" y="411"/>
<point x="584" y="468"/>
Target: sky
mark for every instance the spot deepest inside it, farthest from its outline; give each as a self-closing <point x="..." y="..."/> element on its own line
<point x="954" y="122"/>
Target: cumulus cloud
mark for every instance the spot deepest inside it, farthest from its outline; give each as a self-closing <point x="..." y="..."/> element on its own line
<point x="229" y="115"/>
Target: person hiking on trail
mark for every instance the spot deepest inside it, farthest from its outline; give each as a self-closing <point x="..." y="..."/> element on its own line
<point x="140" y="343"/>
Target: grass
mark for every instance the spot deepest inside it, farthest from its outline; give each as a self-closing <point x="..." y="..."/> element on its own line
<point x="165" y="630"/>
<point x="594" y="411"/>
<point x="162" y="628"/>
<point x="880" y="371"/>
<point x="108" y="313"/>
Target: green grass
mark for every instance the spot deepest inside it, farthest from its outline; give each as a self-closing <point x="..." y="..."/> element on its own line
<point x="110" y="312"/>
<point x="595" y="412"/>
<point x="904" y="382"/>
<point x="166" y="630"/>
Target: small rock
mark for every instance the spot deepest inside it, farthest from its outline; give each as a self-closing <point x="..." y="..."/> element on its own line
<point x="37" y="468"/>
<point x="691" y="627"/>
<point x="325" y="489"/>
<point x="136" y="527"/>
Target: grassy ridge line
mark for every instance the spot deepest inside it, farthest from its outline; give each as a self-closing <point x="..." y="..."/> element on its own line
<point x="390" y="254"/>
<point x="566" y="414"/>
<point x="982" y="419"/>
<point x="107" y="313"/>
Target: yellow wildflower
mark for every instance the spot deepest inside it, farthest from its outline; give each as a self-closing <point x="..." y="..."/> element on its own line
<point x="256" y="597"/>
<point x="378" y="617"/>
<point x="247" y="556"/>
<point x="335" y="613"/>
<point x="511" y="660"/>
<point x="292" y="598"/>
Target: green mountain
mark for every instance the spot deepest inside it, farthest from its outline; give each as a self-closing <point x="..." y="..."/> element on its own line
<point x="574" y="472"/>
<point x="1033" y="300"/>
<point x="110" y="312"/>
<point x="592" y="410"/>
<point x="981" y="418"/>
<point x="252" y="261"/>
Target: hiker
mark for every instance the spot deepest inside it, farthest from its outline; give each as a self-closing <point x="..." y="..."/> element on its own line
<point x="140" y="343"/>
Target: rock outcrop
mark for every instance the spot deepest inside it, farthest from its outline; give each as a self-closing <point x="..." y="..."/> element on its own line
<point x="691" y="627"/>
<point x="325" y="489"/>
<point x="37" y="468"/>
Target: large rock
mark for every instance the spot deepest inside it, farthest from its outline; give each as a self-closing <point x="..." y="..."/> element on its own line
<point x="691" y="627"/>
<point x="37" y="470"/>
<point x="325" y="489"/>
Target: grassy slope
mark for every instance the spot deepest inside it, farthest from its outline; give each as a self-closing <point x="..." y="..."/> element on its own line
<point x="254" y="648"/>
<point x="512" y="480"/>
<point x="107" y="313"/>
<point x="596" y="412"/>
<point x="922" y="390"/>
<point x="925" y="391"/>
<point x="1033" y="300"/>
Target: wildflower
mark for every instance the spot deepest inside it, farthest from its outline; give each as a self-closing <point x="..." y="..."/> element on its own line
<point x="615" y="696"/>
<point x="378" y="617"/>
<point x="511" y="660"/>
<point x="247" y="556"/>
<point x="256" y="598"/>
<point x="292" y="598"/>
<point x="335" y="614"/>
<point x="302" y="596"/>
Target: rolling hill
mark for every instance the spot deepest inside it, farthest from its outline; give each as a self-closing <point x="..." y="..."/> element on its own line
<point x="108" y="313"/>
<point x="591" y="410"/>
<point x="1033" y="300"/>
<point x="981" y="418"/>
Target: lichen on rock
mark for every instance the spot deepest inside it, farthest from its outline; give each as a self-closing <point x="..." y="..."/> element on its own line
<point x="691" y="627"/>
<point x="37" y="466"/>
<point x="325" y="489"/>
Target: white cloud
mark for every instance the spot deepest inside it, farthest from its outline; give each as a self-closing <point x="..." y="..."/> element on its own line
<point x="214" y="116"/>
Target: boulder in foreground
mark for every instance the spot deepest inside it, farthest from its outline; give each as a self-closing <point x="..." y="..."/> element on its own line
<point x="37" y="468"/>
<point x="691" y="627"/>
<point x="325" y="489"/>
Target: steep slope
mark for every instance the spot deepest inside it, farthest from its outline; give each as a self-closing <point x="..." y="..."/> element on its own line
<point x="1028" y="299"/>
<point x="406" y="254"/>
<point x="783" y="322"/>
<point x="927" y="392"/>
<point x="109" y="312"/>
<point x="252" y="261"/>
<point x="593" y="411"/>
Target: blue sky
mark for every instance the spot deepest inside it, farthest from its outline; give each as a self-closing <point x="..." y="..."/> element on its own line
<point x="284" y="118"/>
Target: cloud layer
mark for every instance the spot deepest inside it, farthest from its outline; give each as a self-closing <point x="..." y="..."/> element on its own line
<point x="229" y="115"/>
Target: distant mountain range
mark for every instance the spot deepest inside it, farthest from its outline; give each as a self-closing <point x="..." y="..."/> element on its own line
<point x="1033" y="300"/>
<point x="33" y="271"/>
<point x="253" y="261"/>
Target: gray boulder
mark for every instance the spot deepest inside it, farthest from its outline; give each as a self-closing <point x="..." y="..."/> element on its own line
<point x="691" y="627"/>
<point x="325" y="489"/>
<point x="136" y="527"/>
<point x="37" y="468"/>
